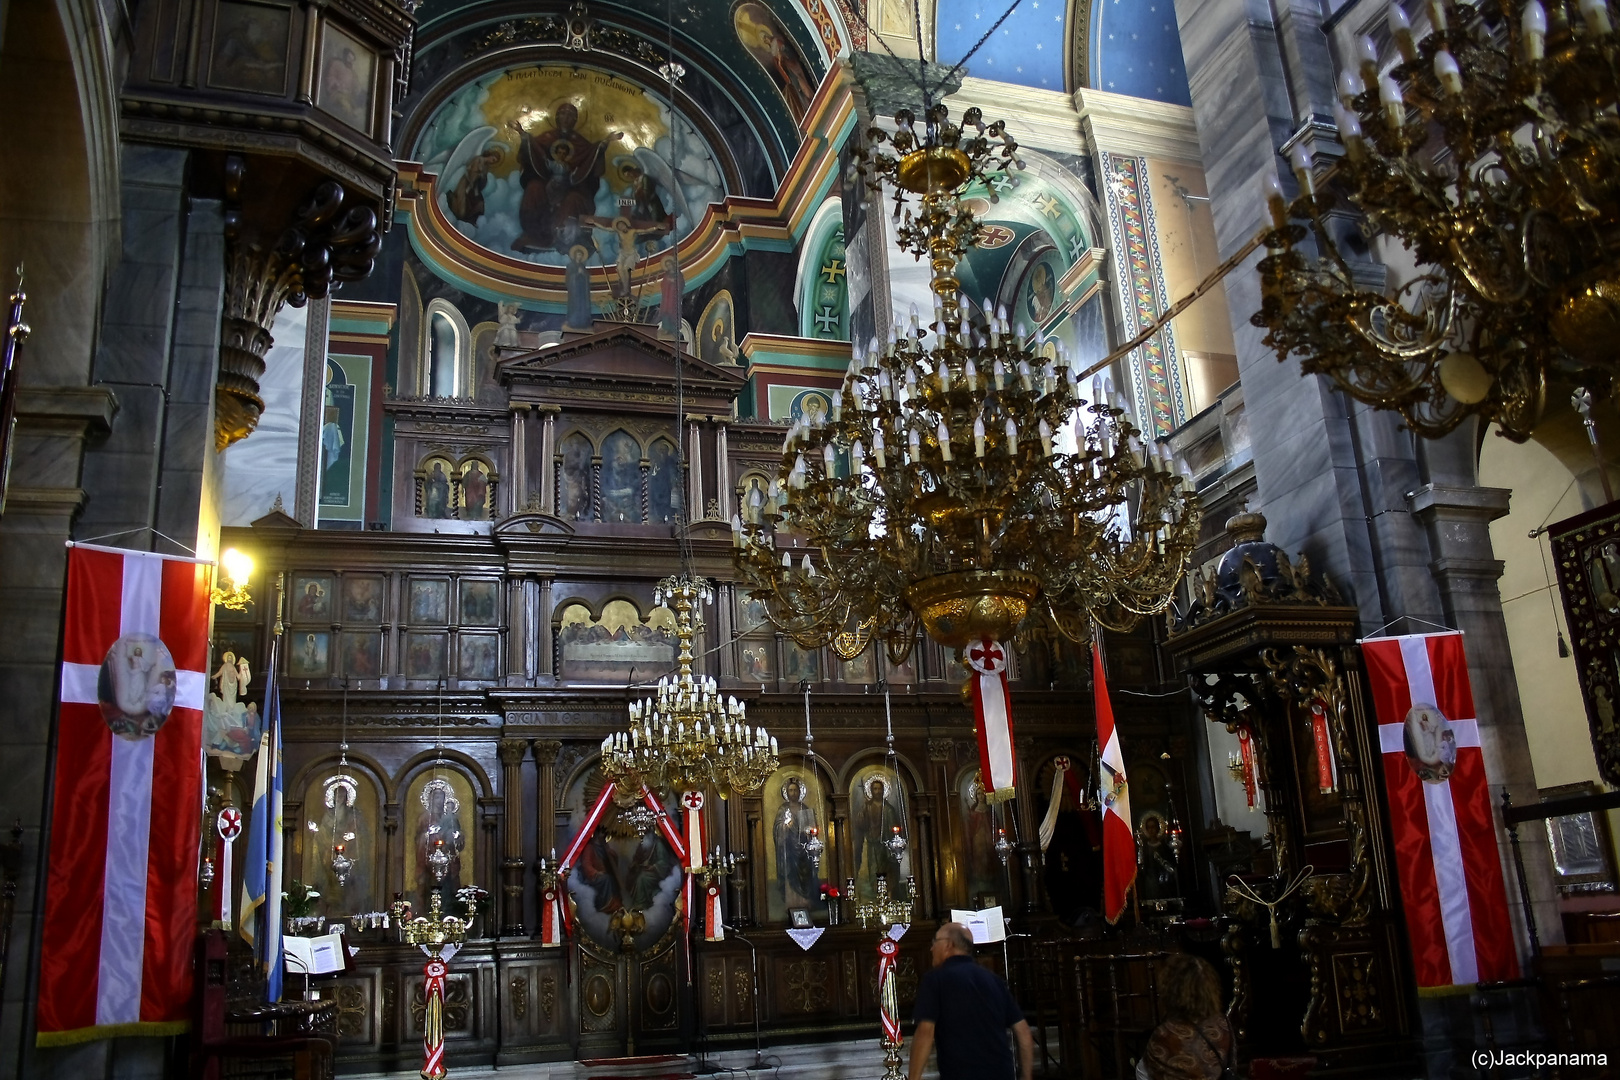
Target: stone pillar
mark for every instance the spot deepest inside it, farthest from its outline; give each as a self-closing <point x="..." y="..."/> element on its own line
<point x="548" y="453"/>
<point x="545" y="651"/>
<point x="545" y="759"/>
<point x="511" y="753"/>
<point x="726" y="620"/>
<point x="694" y="471"/>
<point x="722" y="468"/>
<point x="518" y="484"/>
<point x="519" y="636"/>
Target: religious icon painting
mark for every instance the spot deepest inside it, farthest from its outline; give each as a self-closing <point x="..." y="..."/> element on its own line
<point x="902" y="674"/>
<point x="479" y="653"/>
<point x="479" y="606"/>
<point x="794" y="803"/>
<point x="362" y="599"/>
<point x="362" y="655"/>
<point x="801" y="665"/>
<point x="621" y="478"/>
<point x="347" y="78"/>
<point x="979" y="822"/>
<point x="875" y="809"/>
<point x="799" y="918"/>
<point x="717" y="332"/>
<point x="424" y="656"/>
<point x="751" y="614"/>
<point x="663" y="483"/>
<point x="429" y="602"/>
<point x="435" y="498"/>
<point x="769" y="42"/>
<point x="861" y="669"/>
<point x="439" y="806"/>
<point x="625" y="880"/>
<point x="311" y="598"/>
<point x="250" y="47"/>
<point x="340" y="808"/>
<point x="756" y="665"/>
<point x="574" y="479"/>
<point x="613" y="648"/>
<point x="476" y="488"/>
<point x="309" y="654"/>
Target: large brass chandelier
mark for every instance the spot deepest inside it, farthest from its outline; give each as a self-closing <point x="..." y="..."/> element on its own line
<point x="1492" y="154"/>
<point x="959" y="480"/>
<point x="685" y="737"/>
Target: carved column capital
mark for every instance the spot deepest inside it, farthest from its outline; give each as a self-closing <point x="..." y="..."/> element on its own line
<point x="546" y="751"/>
<point x="939" y="750"/>
<point x="511" y="751"/>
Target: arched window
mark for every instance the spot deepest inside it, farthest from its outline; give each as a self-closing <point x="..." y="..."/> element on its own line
<point x="446" y="352"/>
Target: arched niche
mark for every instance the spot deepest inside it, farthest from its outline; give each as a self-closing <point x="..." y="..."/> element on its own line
<point x="821" y="291"/>
<point x="664" y="493"/>
<point x="794" y="800"/>
<point x="981" y="869"/>
<point x="618" y="872"/>
<point x="621" y="478"/>
<point x="880" y="798"/>
<point x="437" y="812"/>
<point x="341" y="806"/>
<point x="575" y="452"/>
<point x="446" y="365"/>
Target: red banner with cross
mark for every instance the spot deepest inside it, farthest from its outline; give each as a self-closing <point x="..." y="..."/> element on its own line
<point x="992" y="714"/>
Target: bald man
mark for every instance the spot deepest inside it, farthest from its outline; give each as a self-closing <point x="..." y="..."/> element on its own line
<point x="967" y="1009"/>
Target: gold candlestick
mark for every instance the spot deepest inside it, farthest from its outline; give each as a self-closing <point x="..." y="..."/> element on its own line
<point x="888" y="911"/>
<point x="432" y="932"/>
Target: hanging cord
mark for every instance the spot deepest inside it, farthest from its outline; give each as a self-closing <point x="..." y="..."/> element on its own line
<point x="1239" y="886"/>
<point x="343" y="732"/>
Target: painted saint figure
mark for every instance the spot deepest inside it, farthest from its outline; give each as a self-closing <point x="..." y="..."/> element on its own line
<point x="669" y="292"/>
<point x="795" y="873"/>
<point x="579" y="289"/>
<point x="439" y="826"/>
<point x="561" y="172"/>
<point x="437" y="501"/>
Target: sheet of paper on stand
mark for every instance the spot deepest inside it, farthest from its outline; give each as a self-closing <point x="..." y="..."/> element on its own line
<point x="985" y="926"/>
<point x="316" y="956"/>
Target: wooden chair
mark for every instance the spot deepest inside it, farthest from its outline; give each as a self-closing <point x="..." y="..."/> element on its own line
<point x="258" y="1038"/>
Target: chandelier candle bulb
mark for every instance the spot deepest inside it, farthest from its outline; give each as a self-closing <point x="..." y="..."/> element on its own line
<point x="1596" y="14"/>
<point x="877" y="448"/>
<point x="1045" y="431"/>
<point x="1448" y="73"/>
<point x="1534" y="24"/>
<point x="1350" y="88"/>
<point x="1349" y="132"/>
<point x="837" y="405"/>
<point x="1367" y="59"/>
<point x="857" y="458"/>
<point x="1389" y="95"/>
<point x="944" y="436"/>
<point x="1024" y="379"/>
<point x="978" y="437"/>
<point x="998" y="375"/>
<point x="1012" y="436"/>
<point x="1300" y="159"/>
<point x="1400" y="28"/>
<point x="970" y="372"/>
<point x="1437" y="16"/>
<point x="914" y="443"/>
<point x="1276" y="202"/>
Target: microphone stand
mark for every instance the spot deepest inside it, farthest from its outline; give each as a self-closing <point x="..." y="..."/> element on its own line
<point x="753" y="960"/>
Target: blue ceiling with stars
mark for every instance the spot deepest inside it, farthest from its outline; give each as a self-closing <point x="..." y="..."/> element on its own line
<point x="1135" y="49"/>
<point x="1027" y="49"/>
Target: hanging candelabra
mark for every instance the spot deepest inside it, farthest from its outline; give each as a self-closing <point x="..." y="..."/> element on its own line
<point x="1490" y="154"/>
<point x="685" y="737"/>
<point x="959" y="481"/>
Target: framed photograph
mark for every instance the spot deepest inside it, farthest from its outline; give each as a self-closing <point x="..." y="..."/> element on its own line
<point x="800" y="918"/>
<point x="1582" y="852"/>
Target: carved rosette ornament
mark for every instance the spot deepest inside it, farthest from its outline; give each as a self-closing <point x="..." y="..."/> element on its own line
<point x="326" y="242"/>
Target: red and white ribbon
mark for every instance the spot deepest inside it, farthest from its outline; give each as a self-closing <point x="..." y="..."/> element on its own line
<point x="1326" y="768"/>
<point x="888" y="950"/>
<point x="664" y="824"/>
<point x="713" y="925"/>
<point x="696" y="840"/>
<point x="1246" y="748"/>
<point x="1062" y="777"/>
<point x="433" y="1035"/>
<point x="229" y="824"/>
<point x="992" y="713"/>
<point x="552" y="916"/>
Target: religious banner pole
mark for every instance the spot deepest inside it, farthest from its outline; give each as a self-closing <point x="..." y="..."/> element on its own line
<point x="893" y="915"/>
<point x="440" y="937"/>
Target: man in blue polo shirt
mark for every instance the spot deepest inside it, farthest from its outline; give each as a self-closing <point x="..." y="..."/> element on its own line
<point x="967" y="1010"/>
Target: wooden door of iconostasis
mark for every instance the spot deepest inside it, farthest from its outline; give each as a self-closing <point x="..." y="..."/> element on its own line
<point x="626" y="888"/>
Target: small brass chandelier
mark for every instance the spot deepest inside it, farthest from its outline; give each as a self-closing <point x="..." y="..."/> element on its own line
<point x="1492" y="153"/>
<point x="959" y="480"/>
<point x="684" y="737"/>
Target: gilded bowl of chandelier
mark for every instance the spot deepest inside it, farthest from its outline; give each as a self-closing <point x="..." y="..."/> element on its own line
<point x="936" y="168"/>
<point x="1586" y="322"/>
<point x="964" y="607"/>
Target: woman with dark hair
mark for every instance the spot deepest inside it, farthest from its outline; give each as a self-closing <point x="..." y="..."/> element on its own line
<point x="1195" y="1041"/>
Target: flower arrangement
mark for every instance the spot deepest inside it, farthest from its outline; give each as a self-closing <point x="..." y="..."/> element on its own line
<point x="298" y="900"/>
<point x="829" y="891"/>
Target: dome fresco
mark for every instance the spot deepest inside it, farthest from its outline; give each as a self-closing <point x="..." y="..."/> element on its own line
<point x="536" y="159"/>
<point x="1135" y="49"/>
<point x="1026" y="49"/>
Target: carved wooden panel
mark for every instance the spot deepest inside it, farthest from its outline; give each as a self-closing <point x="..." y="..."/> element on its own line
<point x="355" y="1013"/>
<point x="598" y="986"/>
<point x="458" y="1006"/>
<point x="803" y="986"/>
<point x="659" y="998"/>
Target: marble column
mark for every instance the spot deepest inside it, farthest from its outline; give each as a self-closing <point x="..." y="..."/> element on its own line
<point x="694" y="471"/>
<point x="722" y="468"/>
<point x="545" y="759"/>
<point x="518" y="483"/>
<point x="548" y="454"/>
<point x="545" y="651"/>
<point x="511" y="752"/>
